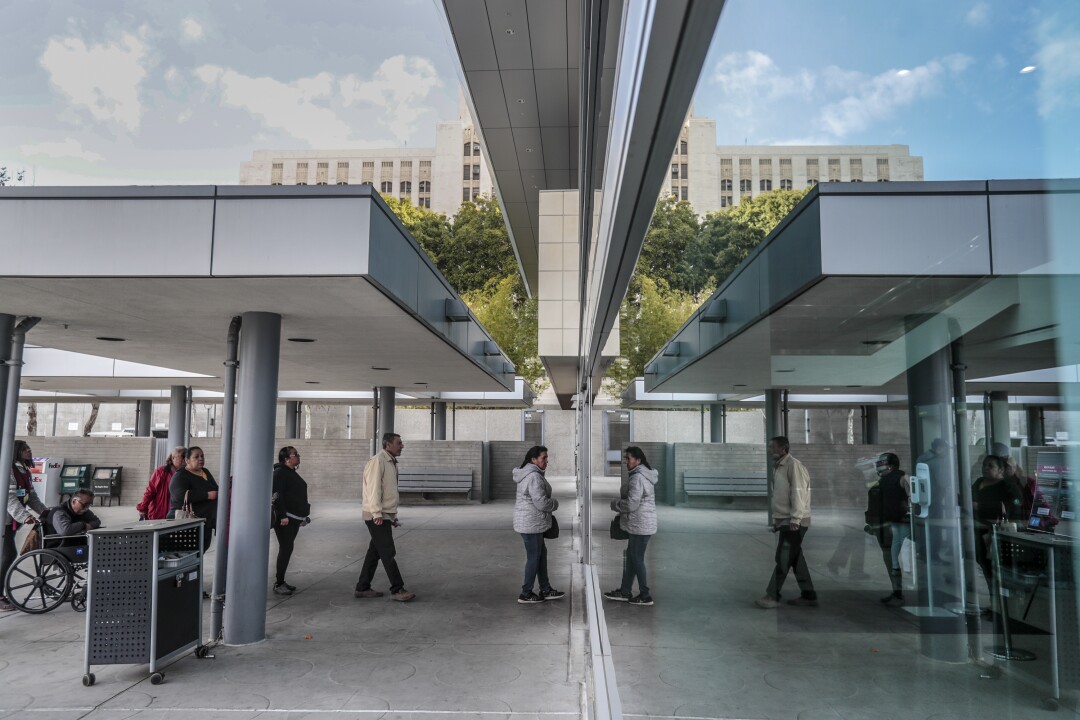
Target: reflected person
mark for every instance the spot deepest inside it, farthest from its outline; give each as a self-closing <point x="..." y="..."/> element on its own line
<point x="637" y="516"/>
<point x="894" y="497"/>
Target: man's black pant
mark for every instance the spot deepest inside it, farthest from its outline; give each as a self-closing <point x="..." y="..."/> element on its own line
<point x="382" y="548"/>
<point x="286" y="537"/>
<point x="789" y="555"/>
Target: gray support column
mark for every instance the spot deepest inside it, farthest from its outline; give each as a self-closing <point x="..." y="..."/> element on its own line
<point x="585" y="400"/>
<point x="932" y="415"/>
<point x="453" y="421"/>
<point x="249" y="546"/>
<point x="718" y="423"/>
<point x="386" y="412"/>
<point x="292" y="419"/>
<point x="439" y="409"/>
<point x="144" y="413"/>
<point x="221" y="562"/>
<point x="774" y="425"/>
<point x="189" y="407"/>
<point x="998" y="432"/>
<point x="12" y="341"/>
<point x="375" y="445"/>
<point x="1036" y="426"/>
<point x="177" y="413"/>
<point x="869" y="424"/>
<point x="7" y="327"/>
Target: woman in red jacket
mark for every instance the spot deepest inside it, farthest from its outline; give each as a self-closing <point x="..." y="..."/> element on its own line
<point x="155" y="502"/>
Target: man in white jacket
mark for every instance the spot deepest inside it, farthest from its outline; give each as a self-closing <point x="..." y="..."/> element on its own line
<point x="379" y="510"/>
<point x="791" y="520"/>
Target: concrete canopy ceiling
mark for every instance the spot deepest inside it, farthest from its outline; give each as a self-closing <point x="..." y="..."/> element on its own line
<point x="521" y="61"/>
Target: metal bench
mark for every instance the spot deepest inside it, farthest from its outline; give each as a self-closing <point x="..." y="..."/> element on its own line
<point x="744" y="483"/>
<point x="435" y="480"/>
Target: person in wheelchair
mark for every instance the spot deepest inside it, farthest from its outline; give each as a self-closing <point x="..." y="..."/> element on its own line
<point x="73" y="518"/>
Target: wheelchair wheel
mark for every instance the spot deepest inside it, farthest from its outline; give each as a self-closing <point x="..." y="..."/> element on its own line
<point x="38" y="581"/>
<point x="78" y="599"/>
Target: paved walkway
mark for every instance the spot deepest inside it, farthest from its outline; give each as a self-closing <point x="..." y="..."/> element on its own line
<point x="466" y="649"/>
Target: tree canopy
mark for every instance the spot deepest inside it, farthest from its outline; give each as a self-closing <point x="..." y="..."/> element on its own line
<point x="503" y="307"/>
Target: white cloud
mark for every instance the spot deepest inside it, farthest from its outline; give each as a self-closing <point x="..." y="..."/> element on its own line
<point x="397" y="89"/>
<point x="68" y="148"/>
<point x="191" y="30"/>
<point x="291" y="107"/>
<point x="751" y="80"/>
<point x="978" y="15"/>
<point x="102" y="78"/>
<point x="1058" y="62"/>
<point x="875" y="99"/>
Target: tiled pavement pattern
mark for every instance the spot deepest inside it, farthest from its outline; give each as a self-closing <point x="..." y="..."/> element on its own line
<point x="466" y="649"/>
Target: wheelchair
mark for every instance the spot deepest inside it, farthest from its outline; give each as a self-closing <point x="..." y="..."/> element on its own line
<point x="43" y="579"/>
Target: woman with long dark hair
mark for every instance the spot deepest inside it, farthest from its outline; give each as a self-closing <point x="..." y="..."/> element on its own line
<point x="637" y="516"/>
<point x="195" y="483"/>
<point x="533" y="506"/>
<point x="23" y="508"/>
<point x="291" y="508"/>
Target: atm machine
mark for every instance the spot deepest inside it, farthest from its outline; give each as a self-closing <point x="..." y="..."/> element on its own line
<point x="106" y="483"/>
<point x="46" y="479"/>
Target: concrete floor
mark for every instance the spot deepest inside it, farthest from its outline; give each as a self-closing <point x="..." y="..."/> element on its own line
<point x="466" y="649"/>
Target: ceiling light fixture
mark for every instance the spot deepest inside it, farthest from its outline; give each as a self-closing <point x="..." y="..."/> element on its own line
<point x="35" y="381"/>
<point x="105" y="338"/>
<point x="378" y="368"/>
<point x="509" y="31"/>
<point x="521" y="101"/>
<point x="302" y="340"/>
<point x="311" y="382"/>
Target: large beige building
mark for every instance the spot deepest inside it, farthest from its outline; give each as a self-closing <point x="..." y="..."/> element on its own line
<point x="710" y="176"/>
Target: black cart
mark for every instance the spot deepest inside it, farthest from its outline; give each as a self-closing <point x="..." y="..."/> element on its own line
<point x="144" y="595"/>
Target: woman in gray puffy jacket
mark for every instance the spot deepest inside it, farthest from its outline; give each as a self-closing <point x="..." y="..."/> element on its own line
<point x="533" y="506"/>
<point x="637" y="516"/>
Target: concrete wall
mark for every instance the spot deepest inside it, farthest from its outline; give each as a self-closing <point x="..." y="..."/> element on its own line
<point x="504" y="457"/>
<point x="134" y="454"/>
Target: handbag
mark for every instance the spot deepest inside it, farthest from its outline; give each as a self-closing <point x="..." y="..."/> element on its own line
<point x="552" y="532"/>
<point x="617" y="533"/>
<point x="186" y="513"/>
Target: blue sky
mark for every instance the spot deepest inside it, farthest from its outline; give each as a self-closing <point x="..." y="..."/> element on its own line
<point x="116" y="92"/>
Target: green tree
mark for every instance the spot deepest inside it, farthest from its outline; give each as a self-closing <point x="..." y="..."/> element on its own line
<point x="746" y="225"/>
<point x="673" y="228"/>
<point x="478" y="249"/>
<point x="765" y="211"/>
<point x="430" y="229"/>
<point x="507" y="312"/>
<point x="648" y="317"/>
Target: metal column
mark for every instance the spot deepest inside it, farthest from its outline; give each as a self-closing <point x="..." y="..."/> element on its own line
<point x="292" y="419"/>
<point x="177" y="415"/>
<point x="439" y="409"/>
<point x="386" y="412"/>
<point x="998" y="432"/>
<point x="144" y="412"/>
<point x="869" y="424"/>
<point x="249" y="547"/>
<point x="221" y="561"/>
<point x="718" y="423"/>
<point x="13" y="363"/>
<point x="940" y="573"/>
<point x="1036" y="426"/>
<point x="7" y="421"/>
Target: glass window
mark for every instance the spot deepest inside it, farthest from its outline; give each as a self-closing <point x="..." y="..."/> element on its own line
<point x="386" y="186"/>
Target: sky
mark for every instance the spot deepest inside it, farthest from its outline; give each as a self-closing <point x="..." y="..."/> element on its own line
<point x="121" y="92"/>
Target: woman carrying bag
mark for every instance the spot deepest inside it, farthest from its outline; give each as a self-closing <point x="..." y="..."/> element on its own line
<point x="533" y="508"/>
<point x="637" y="517"/>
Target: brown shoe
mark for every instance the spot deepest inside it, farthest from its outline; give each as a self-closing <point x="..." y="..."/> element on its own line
<point x="367" y="593"/>
<point x="402" y="595"/>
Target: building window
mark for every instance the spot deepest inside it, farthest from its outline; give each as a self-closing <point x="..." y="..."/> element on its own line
<point x="674" y="171"/>
<point x="386" y="186"/>
<point x="682" y="147"/>
<point x="468" y="149"/>
<point x="476" y="149"/>
<point x="475" y="193"/>
<point x="322" y="172"/>
<point x="406" y="187"/>
<point x="725" y="201"/>
<point x="424" y="202"/>
<point x="811" y="182"/>
<point x="745" y="186"/>
<point x="812" y="172"/>
<point x="275" y="173"/>
<point x="785" y="183"/>
<point x="466" y="172"/>
<point x="425" y="186"/>
<point x="465" y="196"/>
<point x="343" y="173"/>
<point x="883" y="169"/>
<point x="301" y="173"/>
<point x="367" y="173"/>
<point x="725" y="185"/>
<point x="766" y="185"/>
<point x="684" y="192"/>
<point x="834" y="169"/>
<point x="674" y="192"/>
<point x="475" y="172"/>
<point x="683" y="173"/>
<point x="855" y="167"/>
<point x="725" y="168"/>
<point x="425" y="164"/>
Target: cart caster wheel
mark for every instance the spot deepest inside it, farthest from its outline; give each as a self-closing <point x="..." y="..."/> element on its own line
<point x="1051" y="704"/>
<point x="157" y="678"/>
<point x="202" y="651"/>
<point x="88" y="679"/>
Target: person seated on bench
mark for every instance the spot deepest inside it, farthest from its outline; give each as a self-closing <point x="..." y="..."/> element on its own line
<point x="74" y="517"/>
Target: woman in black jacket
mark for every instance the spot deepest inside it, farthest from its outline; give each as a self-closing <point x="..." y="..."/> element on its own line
<point x="196" y="482"/>
<point x="290" y="511"/>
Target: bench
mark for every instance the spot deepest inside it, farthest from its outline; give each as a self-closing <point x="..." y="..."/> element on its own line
<point x="435" y="480"/>
<point x="742" y="483"/>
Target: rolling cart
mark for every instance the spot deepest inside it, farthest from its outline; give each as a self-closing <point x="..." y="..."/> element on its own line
<point x="144" y="595"/>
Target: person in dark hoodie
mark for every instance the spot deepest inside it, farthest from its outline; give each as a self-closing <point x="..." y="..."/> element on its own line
<point x="637" y="516"/>
<point x="290" y="511"/>
<point x="195" y="481"/>
<point x="74" y="517"/>
<point x="893" y="510"/>
<point x="533" y="506"/>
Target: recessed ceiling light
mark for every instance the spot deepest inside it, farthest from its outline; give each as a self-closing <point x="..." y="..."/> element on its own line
<point x="311" y="382"/>
<point x="521" y="101"/>
<point x="787" y="370"/>
<point x="36" y="381"/>
<point x="528" y="149"/>
<point x="111" y="339"/>
<point x="739" y="385"/>
<point x="302" y="340"/>
<point x="419" y="383"/>
<point x="378" y="368"/>
<point x="826" y="389"/>
<point x="875" y="342"/>
<point x="509" y="31"/>
<point x="854" y="386"/>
